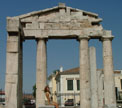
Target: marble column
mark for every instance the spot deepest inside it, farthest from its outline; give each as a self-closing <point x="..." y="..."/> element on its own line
<point x="100" y="80"/>
<point x="85" y="95"/>
<point x="13" y="85"/>
<point x="41" y="74"/>
<point x="109" y="85"/>
<point x="93" y="71"/>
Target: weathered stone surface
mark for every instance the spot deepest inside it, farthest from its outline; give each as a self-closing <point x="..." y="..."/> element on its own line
<point x="13" y="38"/>
<point x="57" y="18"/>
<point x="94" y="76"/>
<point x="85" y="94"/>
<point x="100" y="80"/>
<point x="108" y="72"/>
<point x="12" y="43"/>
<point x="12" y="46"/>
<point x="13" y="24"/>
<point x="41" y="73"/>
<point x="11" y="78"/>
<point x="12" y="63"/>
<point x="13" y="88"/>
<point x="110" y="106"/>
<point x="11" y="95"/>
<point x="2" y="106"/>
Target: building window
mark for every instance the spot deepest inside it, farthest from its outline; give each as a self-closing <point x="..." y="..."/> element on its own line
<point x="78" y="85"/>
<point x="59" y="86"/>
<point x="69" y="84"/>
<point x="121" y="83"/>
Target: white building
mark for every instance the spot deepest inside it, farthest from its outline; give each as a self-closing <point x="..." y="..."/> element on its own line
<point x="118" y="79"/>
<point x="68" y="85"/>
<point x="2" y="97"/>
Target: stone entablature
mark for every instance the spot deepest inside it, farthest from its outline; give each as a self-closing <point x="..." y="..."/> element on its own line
<point x="57" y="22"/>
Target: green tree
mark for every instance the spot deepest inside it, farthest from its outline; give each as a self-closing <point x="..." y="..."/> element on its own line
<point x="54" y="72"/>
<point x="34" y="91"/>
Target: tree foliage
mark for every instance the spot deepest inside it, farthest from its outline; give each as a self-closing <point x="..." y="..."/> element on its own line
<point x="54" y="72"/>
<point x="34" y="91"/>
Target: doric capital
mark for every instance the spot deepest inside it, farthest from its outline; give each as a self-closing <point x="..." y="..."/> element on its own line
<point x="83" y="37"/>
<point x="107" y="35"/>
<point x="45" y="39"/>
<point x="80" y="38"/>
<point x="107" y="38"/>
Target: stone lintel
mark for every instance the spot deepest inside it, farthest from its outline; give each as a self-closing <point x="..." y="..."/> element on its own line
<point x="92" y="32"/>
<point x="38" y="33"/>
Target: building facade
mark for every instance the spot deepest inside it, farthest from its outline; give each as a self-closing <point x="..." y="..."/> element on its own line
<point x="2" y="97"/>
<point x="66" y="85"/>
<point x="53" y="86"/>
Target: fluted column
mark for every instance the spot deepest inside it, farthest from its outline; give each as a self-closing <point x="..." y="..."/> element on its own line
<point x="41" y="73"/>
<point x="109" y="85"/>
<point x="85" y="95"/>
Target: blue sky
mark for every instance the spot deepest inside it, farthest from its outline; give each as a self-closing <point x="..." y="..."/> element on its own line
<point x="60" y="52"/>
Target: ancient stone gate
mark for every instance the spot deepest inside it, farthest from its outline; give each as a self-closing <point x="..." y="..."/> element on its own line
<point x="60" y="22"/>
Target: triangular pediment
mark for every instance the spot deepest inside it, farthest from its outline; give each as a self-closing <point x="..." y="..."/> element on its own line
<point x="58" y="13"/>
<point x="57" y="21"/>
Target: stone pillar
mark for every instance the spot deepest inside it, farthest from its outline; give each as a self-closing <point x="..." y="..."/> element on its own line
<point x="85" y="95"/>
<point x="41" y="74"/>
<point x="109" y="85"/>
<point x="13" y="86"/>
<point x="100" y="80"/>
<point x="93" y="71"/>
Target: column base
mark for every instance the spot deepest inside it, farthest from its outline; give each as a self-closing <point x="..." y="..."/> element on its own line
<point x="46" y="106"/>
<point x="49" y="106"/>
<point x="110" y="106"/>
